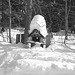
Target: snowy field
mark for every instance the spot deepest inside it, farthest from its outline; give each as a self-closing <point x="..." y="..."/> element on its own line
<point x="57" y="59"/>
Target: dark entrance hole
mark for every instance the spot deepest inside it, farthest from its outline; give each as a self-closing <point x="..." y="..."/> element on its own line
<point x="36" y="39"/>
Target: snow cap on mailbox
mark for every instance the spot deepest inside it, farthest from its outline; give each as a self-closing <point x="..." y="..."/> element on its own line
<point x="38" y="22"/>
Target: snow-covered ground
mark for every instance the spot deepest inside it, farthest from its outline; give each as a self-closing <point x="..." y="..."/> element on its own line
<point x="57" y="59"/>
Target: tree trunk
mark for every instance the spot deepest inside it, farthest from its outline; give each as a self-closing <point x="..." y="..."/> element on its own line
<point x="10" y="22"/>
<point x="66" y="21"/>
<point x="2" y="15"/>
<point x="28" y="19"/>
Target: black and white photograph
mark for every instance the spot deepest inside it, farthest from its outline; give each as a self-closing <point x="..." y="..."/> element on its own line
<point x="37" y="37"/>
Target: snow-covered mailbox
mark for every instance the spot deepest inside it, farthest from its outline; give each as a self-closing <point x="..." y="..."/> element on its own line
<point x="38" y="31"/>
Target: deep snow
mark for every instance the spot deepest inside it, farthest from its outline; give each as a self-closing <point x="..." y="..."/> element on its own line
<point x="57" y="59"/>
<point x="16" y="60"/>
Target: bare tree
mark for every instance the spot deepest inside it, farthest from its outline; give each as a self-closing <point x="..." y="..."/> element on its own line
<point x="66" y="18"/>
<point x="10" y="22"/>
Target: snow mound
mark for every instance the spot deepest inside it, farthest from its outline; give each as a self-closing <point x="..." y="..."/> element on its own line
<point x="17" y="59"/>
<point x="38" y="22"/>
<point x="46" y="64"/>
<point x="39" y="57"/>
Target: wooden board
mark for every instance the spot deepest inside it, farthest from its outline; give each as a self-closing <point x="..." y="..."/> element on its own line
<point x="36" y="43"/>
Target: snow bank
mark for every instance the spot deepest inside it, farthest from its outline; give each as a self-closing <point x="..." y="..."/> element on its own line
<point x="15" y="58"/>
<point x="46" y="64"/>
<point x="40" y="58"/>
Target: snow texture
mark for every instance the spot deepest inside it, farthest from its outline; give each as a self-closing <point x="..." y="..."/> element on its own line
<point x="57" y="59"/>
<point x="18" y="59"/>
<point x="38" y="22"/>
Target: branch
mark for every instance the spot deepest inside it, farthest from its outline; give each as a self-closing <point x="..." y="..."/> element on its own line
<point x="69" y="8"/>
